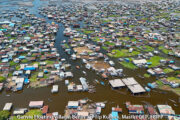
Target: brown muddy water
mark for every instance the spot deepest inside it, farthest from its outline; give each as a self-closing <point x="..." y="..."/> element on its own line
<point x="57" y="102"/>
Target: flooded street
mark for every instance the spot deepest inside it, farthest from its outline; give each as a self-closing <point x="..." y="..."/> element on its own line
<point x="57" y="102"/>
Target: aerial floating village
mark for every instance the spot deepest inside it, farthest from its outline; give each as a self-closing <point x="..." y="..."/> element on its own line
<point x="122" y="57"/>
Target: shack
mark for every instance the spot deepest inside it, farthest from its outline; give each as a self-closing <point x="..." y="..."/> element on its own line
<point x="20" y="111"/>
<point x="84" y="83"/>
<point x="8" y="106"/>
<point x="73" y="104"/>
<point x="54" y="89"/>
<point x="36" y="104"/>
<point x="117" y="83"/>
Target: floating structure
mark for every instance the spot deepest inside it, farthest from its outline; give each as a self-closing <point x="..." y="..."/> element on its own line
<point x="133" y="85"/>
<point x="36" y="104"/>
<point x="8" y="106"/>
<point x="84" y="83"/>
<point x="117" y="83"/>
<point x="20" y="111"/>
<point x="55" y="89"/>
<point x="165" y="110"/>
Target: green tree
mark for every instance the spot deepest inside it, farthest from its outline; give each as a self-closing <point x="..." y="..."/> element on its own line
<point x="2" y="79"/>
<point x="4" y="115"/>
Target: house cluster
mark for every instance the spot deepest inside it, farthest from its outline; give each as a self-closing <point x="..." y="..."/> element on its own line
<point x="28" y="55"/>
<point x="84" y="109"/>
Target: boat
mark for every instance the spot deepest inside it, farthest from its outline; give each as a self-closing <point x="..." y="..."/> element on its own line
<point x="102" y="83"/>
<point x="147" y="89"/>
<point x="96" y="81"/>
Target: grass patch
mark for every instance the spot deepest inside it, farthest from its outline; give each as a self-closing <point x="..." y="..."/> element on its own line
<point x="26" y="25"/>
<point x="159" y="83"/>
<point x="114" y="16"/>
<point x="4" y="115"/>
<point x="123" y="53"/>
<point x="124" y="38"/>
<point x="97" y="39"/>
<point x="104" y="47"/>
<point x="129" y="65"/>
<point x="88" y="31"/>
<point x="155" y="60"/>
<point x="24" y="60"/>
<point x="2" y="79"/>
<point x="10" y="74"/>
<point x="106" y="21"/>
<point x="168" y="70"/>
<point x="50" y="62"/>
<point x="147" y="75"/>
<point x="177" y="90"/>
<point x="30" y="113"/>
<point x="164" y="50"/>
<point x="18" y="67"/>
<point x="34" y="77"/>
<point x="12" y="63"/>
<point x="146" y="48"/>
<point x="173" y="79"/>
<point x="66" y="45"/>
<point x="110" y="43"/>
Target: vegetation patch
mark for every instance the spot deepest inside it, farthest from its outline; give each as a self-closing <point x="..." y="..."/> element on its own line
<point x="173" y="79"/>
<point x="2" y="79"/>
<point x="164" y="50"/>
<point x="129" y="65"/>
<point x="123" y="38"/>
<point x="147" y="75"/>
<point x="31" y="113"/>
<point x="146" y="48"/>
<point x="4" y="115"/>
<point x="88" y="31"/>
<point x="155" y="60"/>
<point x="168" y="70"/>
<point x="12" y="63"/>
<point x="123" y="53"/>
<point x="49" y="62"/>
<point x="104" y="47"/>
<point x="34" y="77"/>
<point x="110" y="43"/>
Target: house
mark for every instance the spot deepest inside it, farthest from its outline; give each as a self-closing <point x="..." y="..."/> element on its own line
<point x="8" y="106"/>
<point x="45" y="109"/>
<point x="73" y="104"/>
<point x="68" y="74"/>
<point x="98" y="110"/>
<point x="20" y="111"/>
<point x="55" y="89"/>
<point x="84" y="83"/>
<point x="135" y="109"/>
<point x="19" y="86"/>
<point x="165" y="110"/>
<point x="117" y="83"/>
<point x="36" y="104"/>
<point x="139" y="62"/>
<point x="1" y="86"/>
<point x="40" y="75"/>
<point x="83" y="114"/>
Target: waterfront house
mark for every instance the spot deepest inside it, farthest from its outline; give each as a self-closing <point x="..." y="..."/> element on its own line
<point x="36" y="104"/>
<point x="8" y="106"/>
<point x="116" y="83"/>
<point x="165" y="110"/>
<point x="20" y="111"/>
<point x="73" y="104"/>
